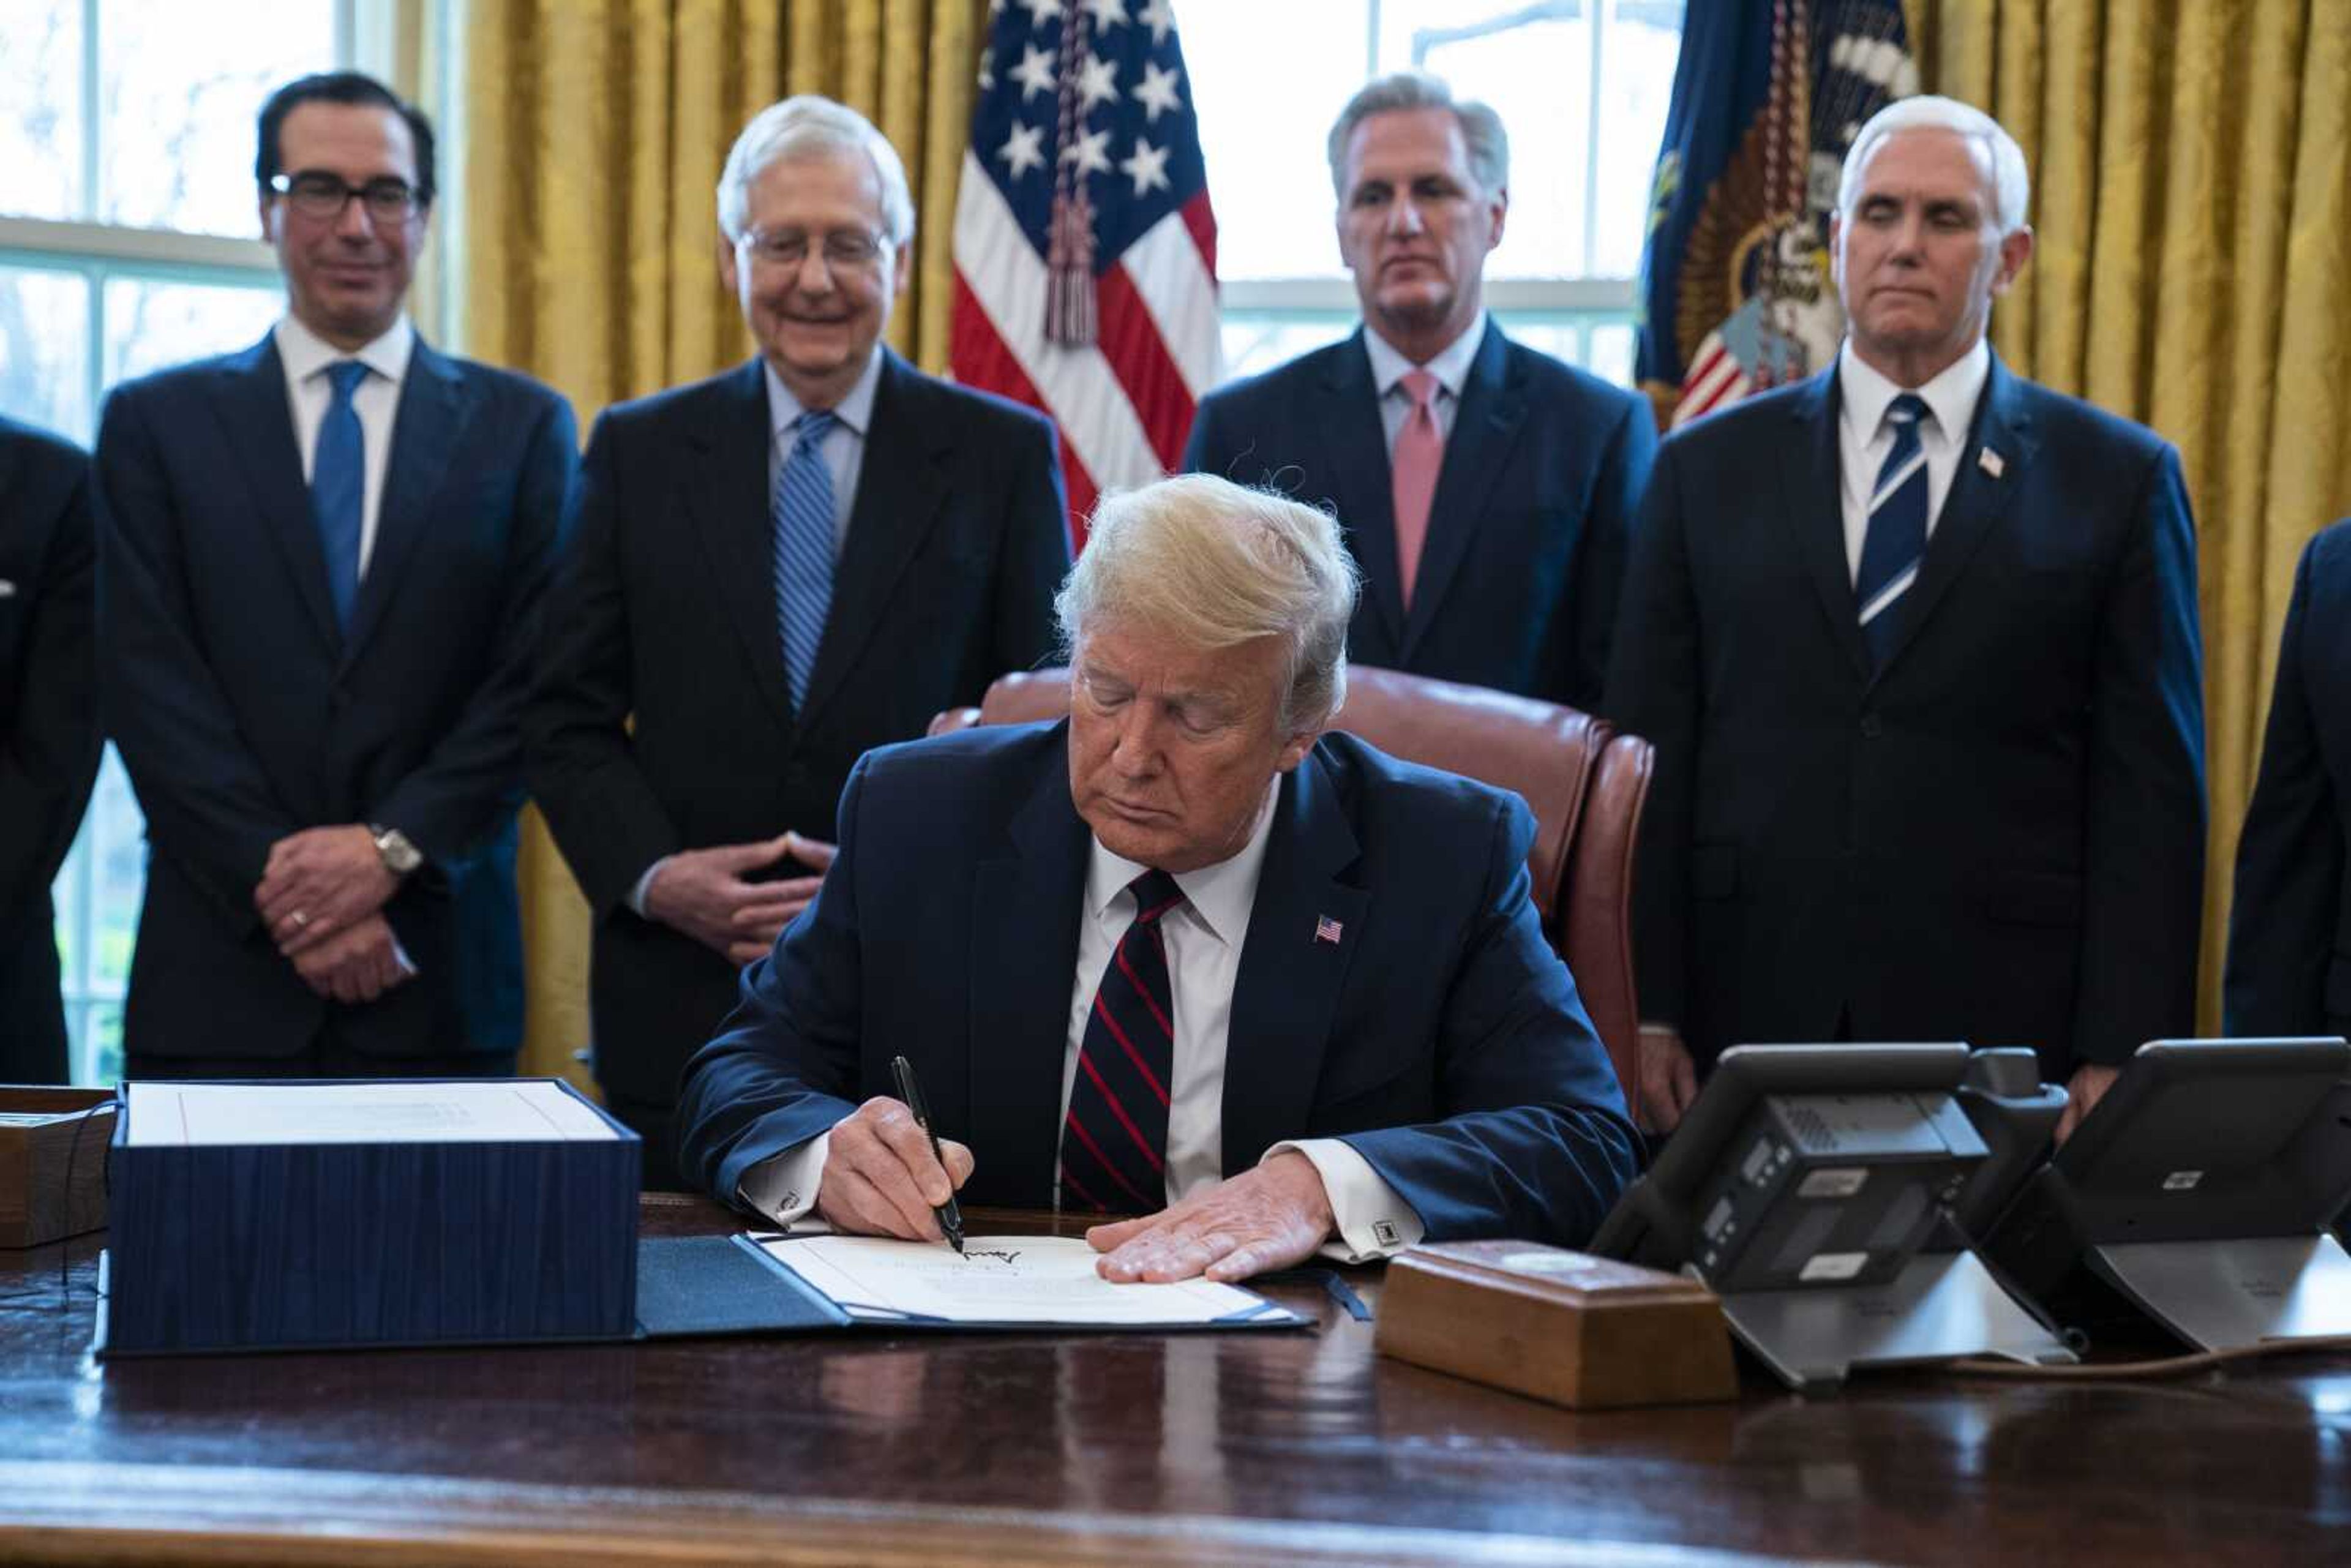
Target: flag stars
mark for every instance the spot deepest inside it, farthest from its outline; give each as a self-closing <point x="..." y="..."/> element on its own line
<point x="1090" y="153"/>
<point x="987" y="70"/>
<point x="1023" y="149"/>
<point x="1160" y="18"/>
<point x="1146" y="166"/>
<point x="1097" y="80"/>
<point x="1041" y="11"/>
<point x="1035" y="71"/>
<point x="1158" y="91"/>
<point x="1107" y="13"/>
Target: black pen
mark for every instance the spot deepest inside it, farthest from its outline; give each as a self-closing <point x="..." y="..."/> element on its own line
<point x="950" y="1217"/>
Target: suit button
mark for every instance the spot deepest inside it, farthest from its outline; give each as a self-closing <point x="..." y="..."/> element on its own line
<point x="1871" y="729"/>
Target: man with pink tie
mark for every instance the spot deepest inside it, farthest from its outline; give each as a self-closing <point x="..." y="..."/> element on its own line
<point x="1487" y="490"/>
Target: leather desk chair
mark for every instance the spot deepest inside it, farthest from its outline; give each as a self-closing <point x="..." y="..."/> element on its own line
<point x="1584" y="783"/>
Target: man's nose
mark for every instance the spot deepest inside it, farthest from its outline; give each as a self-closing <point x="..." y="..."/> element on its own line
<point x="814" y="274"/>
<point x="352" y="221"/>
<point x="1404" y="216"/>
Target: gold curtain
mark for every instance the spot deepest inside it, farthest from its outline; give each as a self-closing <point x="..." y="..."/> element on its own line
<point x="593" y="133"/>
<point x="2191" y="272"/>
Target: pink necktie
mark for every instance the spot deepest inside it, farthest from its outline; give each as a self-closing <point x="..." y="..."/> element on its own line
<point x="1420" y="453"/>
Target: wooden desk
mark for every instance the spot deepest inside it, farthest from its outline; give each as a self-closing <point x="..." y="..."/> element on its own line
<point x="1134" y="1449"/>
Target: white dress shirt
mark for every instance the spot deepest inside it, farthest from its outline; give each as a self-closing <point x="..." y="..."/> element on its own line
<point x="844" y="451"/>
<point x="306" y="357"/>
<point x="1863" y="436"/>
<point x="1203" y="936"/>
<point x="1450" y="367"/>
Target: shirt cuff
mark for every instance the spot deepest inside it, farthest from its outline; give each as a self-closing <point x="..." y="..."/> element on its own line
<point x="645" y="885"/>
<point x="783" y="1187"/>
<point x="1372" y="1221"/>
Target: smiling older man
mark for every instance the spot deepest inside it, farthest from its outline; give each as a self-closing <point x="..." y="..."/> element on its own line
<point x="774" y="570"/>
<point x="1183" y="955"/>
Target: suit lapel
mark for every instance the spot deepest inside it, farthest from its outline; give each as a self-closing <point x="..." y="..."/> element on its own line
<point x="1813" y="507"/>
<point x="1020" y="985"/>
<point x="258" y="427"/>
<point x="1287" y="987"/>
<point x="1355" y="456"/>
<point x="1978" y="498"/>
<point x="727" y="497"/>
<point x="1493" y="407"/>
<point x="900" y="485"/>
<point x="433" y="401"/>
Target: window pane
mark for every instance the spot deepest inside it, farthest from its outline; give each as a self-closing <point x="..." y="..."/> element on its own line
<point x="112" y="835"/>
<point x="45" y="349"/>
<point x="179" y="92"/>
<point x="1612" y="353"/>
<point x="152" y="323"/>
<point x="1258" y="340"/>
<point x="40" y="109"/>
<point x="1268" y="79"/>
<point x="1643" y="43"/>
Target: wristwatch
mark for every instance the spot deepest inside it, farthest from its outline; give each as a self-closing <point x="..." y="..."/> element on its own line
<point x="400" y="856"/>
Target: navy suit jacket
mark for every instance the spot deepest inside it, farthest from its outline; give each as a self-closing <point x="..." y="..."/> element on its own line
<point x="49" y="728"/>
<point x="2289" y="970"/>
<point x="666" y="613"/>
<point x="1525" y="555"/>
<point x="1999" y="835"/>
<point x="1440" y="1036"/>
<point x="244" y="714"/>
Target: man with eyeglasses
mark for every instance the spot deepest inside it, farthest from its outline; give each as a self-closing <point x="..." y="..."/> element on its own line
<point x="770" y="572"/>
<point x="324" y="558"/>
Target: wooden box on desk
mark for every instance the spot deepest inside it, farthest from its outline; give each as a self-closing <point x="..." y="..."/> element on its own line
<point x="1563" y="1326"/>
<point x="236" y="1245"/>
<point x="52" y="1162"/>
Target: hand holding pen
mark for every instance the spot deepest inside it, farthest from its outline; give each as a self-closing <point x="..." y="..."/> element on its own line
<point x="950" y="1218"/>
<point x="886" y="1175"/>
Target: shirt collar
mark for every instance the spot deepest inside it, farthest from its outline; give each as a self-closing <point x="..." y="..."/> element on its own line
<point x="1220" y="894"/>
<point x="1450" y="367"/>
<point x="855" y="410"/>
<point x="305" y="354"/>
<point x="1950" y="397"/>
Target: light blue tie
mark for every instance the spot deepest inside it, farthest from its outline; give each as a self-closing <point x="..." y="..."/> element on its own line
<point x="804" y="541"/>
<point x="338" y="487"/>
<point x="1895" y="541"/>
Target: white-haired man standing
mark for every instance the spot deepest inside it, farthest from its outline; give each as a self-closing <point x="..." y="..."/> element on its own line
<point x="770" y="572"/>
<point x="1182" y="955"/>
<point x="1916" y="641"/>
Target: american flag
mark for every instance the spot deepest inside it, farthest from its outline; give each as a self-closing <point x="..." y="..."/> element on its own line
<point x="1326" y="929"/>
<point x="1085" y="251"/>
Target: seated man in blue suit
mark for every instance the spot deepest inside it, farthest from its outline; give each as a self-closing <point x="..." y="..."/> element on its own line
<point x="2290" y="926"/>
<point x="1488" y="490"/>
<point x="1916" y="642"/>
<point x="1181" y="956"/>
<point x="323" y="560"/>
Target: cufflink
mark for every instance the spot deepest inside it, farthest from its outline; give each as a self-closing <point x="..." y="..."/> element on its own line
<point x="1383" y="1231"/>
<point x="7" y="589"/>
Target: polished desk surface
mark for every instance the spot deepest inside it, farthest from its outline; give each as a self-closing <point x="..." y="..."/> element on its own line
<point x="1241" y="1447"/>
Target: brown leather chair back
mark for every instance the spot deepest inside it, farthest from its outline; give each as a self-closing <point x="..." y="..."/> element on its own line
<point x="1584" y="783"/>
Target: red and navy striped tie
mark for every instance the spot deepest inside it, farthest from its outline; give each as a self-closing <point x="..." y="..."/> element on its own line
<point x="1115" y="1144"/>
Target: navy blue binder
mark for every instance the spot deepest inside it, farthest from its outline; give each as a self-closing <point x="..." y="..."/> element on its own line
<point x="328" y="1245"/>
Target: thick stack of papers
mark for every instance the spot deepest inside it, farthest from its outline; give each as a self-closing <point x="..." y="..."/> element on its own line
<point x="212" y="1116"/>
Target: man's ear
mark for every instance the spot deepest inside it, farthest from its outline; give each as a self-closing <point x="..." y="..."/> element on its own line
<point x="2015" y="250"/>
<point x="727" y="262"/>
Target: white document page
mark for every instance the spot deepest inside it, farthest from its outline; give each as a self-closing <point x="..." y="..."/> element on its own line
<point x="1046" y="1279"/>
<point x="495" y="1111"/>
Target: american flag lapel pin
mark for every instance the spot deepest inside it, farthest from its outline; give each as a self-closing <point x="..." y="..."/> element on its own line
<point x="1327" y="929"/>
<point x="1988" y="461"/>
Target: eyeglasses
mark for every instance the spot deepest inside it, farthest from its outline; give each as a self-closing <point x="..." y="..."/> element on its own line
<point x="845" y="250"/>
<point x="316" y="194"/>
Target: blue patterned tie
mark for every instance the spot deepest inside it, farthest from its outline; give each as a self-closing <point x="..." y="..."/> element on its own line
<point x="1896" y="540"/>
<point x="804" y="541"/>
<point x="338" y="487"/>
<point x="1114" y="1140"/>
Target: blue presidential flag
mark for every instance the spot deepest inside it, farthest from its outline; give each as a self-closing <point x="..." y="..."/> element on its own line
<point x="1768" y="95"/>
